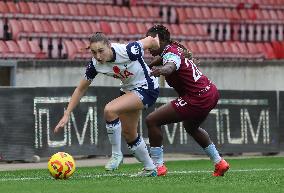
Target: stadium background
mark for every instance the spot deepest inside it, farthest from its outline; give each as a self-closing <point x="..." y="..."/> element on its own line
<point x="239" y="44"/>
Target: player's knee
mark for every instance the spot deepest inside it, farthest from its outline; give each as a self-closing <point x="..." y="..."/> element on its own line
<point x="192" y="130"/>
<point x="150" y="122"/>
<point x="109" y="112"/>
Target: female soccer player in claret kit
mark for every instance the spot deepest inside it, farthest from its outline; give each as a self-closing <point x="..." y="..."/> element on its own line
<point x="197" y="97"/>
<point x="139" y="90"/>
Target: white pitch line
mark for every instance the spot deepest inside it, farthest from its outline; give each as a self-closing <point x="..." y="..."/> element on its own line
<point x="128" y="175"/>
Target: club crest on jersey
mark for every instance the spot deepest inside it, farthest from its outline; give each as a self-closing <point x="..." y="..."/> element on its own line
<point x="134" y="50"/>
<point x="121" y="74"/>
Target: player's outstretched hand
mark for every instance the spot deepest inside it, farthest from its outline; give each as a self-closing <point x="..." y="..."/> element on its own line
<point x="61" y="123"/>
<point x="156" y="71"/>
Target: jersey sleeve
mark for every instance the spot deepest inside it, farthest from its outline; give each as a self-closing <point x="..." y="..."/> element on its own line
<point x="134" y="50"/>
<point x="172" y="57"/>
<point x="91" y="71"/>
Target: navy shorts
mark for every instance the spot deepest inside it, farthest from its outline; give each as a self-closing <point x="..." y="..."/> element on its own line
<point x="147" y="96"/>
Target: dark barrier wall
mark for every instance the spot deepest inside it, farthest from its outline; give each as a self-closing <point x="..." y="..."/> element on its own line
<point x="243" y="121"/>
<point x="281" y="119"/>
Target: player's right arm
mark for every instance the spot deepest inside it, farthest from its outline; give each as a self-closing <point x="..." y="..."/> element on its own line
<point x="76" y="96"/>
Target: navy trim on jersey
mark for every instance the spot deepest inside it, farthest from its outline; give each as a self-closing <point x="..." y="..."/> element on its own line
<point x="146" y="74"/>
<point x="114" y="55"/>
<point x="135" y="52"/>
<point x="91" y="71"/>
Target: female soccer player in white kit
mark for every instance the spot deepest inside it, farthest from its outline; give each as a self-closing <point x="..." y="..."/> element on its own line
<point x="138" y="91"/>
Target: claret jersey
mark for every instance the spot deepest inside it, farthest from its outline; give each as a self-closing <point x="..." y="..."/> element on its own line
<point x="128" y="66"/>
<point x="187" y="79"/>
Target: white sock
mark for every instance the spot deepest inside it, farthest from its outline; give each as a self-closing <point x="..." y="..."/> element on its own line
<point x="114" y="135"/>
<point x="212" y="152"/>
<point x="139" y="149"/>
<point x="157" y="155"/>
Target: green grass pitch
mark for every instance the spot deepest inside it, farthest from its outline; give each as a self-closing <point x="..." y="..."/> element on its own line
<point x="252" y="175"/>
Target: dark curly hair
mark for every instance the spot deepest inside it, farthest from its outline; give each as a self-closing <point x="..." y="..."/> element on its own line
<point x="165" y="36"/>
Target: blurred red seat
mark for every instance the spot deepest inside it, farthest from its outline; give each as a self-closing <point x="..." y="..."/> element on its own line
<point x="132" y="28"/>
<point x="73" y="8"/>
<point x="27" y="28"/>
<point x="64" y="9"/>
<point x="267" y="50"/>
<point x="203" y="50"/>
<point x="82" y="9"/>
<point x="12" y="7"/>
<point x="105" y="27"/>
<point x="219" y="49"/>
<point x="14" y="49"/>
<point x="24" y="46"/>
<point x="278" y="49"/>
<point x="38" y="28"/>
<point x="15" y="28"/>
<point x="82" y="52"/>
<point x="210" y="48"/>
<point x="68" y="28"/>
<point x="69" y="49"/>
<point x="24" y="7"/>
<point x="127" y="13"/>
<point x="116" y="29"/>
<point x="39" y="54"/>
<point x="154" y="13"/>
<point x="228" y="51"/>
<point x="192" y="47"/>
<point x="3" y="8"/>
<point x="141" y="28"/>
<point x="252" y="49"/>
<point x="4" y="50"/>
<point x="124" y="28"/>
<point x="57" y="26"/>
<point x="95" y="27"/>
<point x="54" y="9"/>
<point x="86" y="28"/>
<point x="44" y="9"/>
<point x="98" y="10"/>
<point x="34" y="8"/>
<point x="181" y="14"/>
<point x="206" y="13"/>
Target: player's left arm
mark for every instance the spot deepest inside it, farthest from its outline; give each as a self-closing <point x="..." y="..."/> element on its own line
<point x="171" y="63"/>
<point x="164" y="70"/>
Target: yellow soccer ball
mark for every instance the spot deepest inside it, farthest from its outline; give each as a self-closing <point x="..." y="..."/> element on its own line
<point x="61" y="165"/>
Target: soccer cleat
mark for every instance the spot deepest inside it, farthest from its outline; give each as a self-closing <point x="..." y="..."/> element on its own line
<point x="114" y="162"/>
<point x="221" y="168"/>
<point x="162" y="170"/>
<point x="146" y="173"/>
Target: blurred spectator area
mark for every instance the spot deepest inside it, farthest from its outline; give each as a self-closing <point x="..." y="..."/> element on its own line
<point x="211" y="29"/>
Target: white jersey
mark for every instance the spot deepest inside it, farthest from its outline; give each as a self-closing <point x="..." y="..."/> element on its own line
<point x="128" y="66"/>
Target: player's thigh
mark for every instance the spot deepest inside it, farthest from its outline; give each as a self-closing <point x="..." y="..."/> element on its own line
<point x="126" y="103"/>
<point x="163" y="115"/>
<point x="129" y="121"/>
